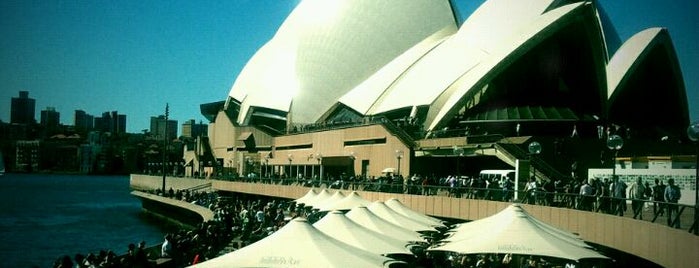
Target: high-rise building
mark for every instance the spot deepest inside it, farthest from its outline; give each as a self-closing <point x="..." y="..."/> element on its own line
<point x="158" y="127"/>
<point x="190" y="129"/>
<point x="23" y="109"/>
<point x="83" y="121"/>
<point x="50" y="118"/>
<point x="111" y="122"/>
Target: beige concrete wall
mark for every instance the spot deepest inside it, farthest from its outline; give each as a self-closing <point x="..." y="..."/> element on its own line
<point x="204" y="213"/>
<point x="656" y="242"/>
<point x="331" y="143"/>
<point x="222" y="136"/>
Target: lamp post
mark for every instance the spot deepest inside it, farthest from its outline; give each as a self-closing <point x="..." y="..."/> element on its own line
<point x="319" y="157"/>
<point x="614" y="142"/>
<point x="534" y="149"/>
<point x="693" y="134"/>
<point x="399" y="155"/>
<point x="167" y="113"/>
<point x="458" y="152"/>
<point x="291" y="158"/>
<point x="267" y="166"/>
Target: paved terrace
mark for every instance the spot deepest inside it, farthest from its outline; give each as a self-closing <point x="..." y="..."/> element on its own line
<point x="657" y="242"/>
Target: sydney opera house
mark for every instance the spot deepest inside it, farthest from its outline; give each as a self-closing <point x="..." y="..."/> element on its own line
<point x="362" y="88"/>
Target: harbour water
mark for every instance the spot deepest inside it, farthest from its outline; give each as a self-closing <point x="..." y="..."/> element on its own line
<point x="43" y="217"/>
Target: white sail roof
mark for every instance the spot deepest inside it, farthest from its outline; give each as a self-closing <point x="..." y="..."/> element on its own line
<point x="362" y="216"/>
<point x="337" y="225"/>
<point x="308" y="196"/>
<point x="515" y="231"/>
<point x="298" y="244"/>
<point x="399" y="207"/>
<point x="384" y="212"/>
<point x="350" y="201"/>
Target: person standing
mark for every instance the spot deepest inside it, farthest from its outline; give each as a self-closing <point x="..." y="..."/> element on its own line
<point x="637" y="193"/>
<point x="586" y="195"/>
<point x="672" y="196"/>
<point x="166" y="248"/>
<point x="618" y="191"/>
<point x="658" y="196"/>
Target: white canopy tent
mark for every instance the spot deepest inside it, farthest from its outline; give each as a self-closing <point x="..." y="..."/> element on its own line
<point x="320" y="197"/>
<point x="298" y="244"/>
<point x="350" y="201"/>
<point x="500" y="219"/>
<point x="338" y="226"/>
<point x="308" y="196"/>
<point x="399" y="207"/>
<point x="384" y="212"/>
<point x="362" y="216"/>
<point x="516" y="232"/>
<point x="337" y="196"/>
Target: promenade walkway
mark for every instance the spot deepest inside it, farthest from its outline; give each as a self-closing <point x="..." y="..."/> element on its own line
<point x="650" y="238"/>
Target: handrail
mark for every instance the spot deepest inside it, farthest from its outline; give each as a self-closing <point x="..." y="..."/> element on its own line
<point x="544" y="169"/>
<point x="198" y="187"/>
<point x="599" y="204"/>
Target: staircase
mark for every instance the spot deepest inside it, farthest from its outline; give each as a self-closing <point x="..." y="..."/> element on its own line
<point x="510" y="152"/>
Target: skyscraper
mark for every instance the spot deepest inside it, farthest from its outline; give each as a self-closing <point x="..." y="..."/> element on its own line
<point x="50" y="118"/>
<point x="190" y="129"/>
<point x="157" y="127"/>
<point x="111" y="122"/>
<point x="83" y="121"/>
<point x="23" y="109"/>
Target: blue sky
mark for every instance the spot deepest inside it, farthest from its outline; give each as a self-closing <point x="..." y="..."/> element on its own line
<point x="134" y="56"/>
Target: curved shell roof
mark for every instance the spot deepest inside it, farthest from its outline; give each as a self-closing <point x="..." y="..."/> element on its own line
<point x="628" y="55"/>
<point x="458" y="54"/>
<point x="376" y="57"/>
<point x="325" y="48"/>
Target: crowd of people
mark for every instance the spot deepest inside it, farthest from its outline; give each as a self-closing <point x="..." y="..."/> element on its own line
<point x="134" y="257"/>
<point x="605" y="195"/>
<point x="238" y="221"/>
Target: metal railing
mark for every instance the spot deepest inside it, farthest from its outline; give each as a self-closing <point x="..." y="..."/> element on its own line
<point x="672" y="214"/>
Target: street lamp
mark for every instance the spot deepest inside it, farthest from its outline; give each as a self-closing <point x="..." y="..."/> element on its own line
<point x="399" y="155"/>
<point x="534" y="149"/>
<point x="165" y="145"/>
<point x="319" y="157"/>
<point x="267" y="166"/>
<point x="693" y="134"/>
<point x="458" y="152"/>
<point x="615" y="142"/>
<point x="248" y="167"/>
<point x="291" y="158"/>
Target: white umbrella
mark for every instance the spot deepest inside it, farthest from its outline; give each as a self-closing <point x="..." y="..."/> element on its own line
<point x="518" y="234"/>
<point x="381" y="210"/>
<point x="338" y="226"/>
<point x="309" y="195"/>
<point x="298" y="244"/>
<point x="362" y="216"/>
<point x="399" y="207"/>
<point x="350" y="201"/>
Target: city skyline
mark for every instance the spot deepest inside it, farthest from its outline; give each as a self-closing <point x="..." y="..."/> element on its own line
<point x="135" y="57"/>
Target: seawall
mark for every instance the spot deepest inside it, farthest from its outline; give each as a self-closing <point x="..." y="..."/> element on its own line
<point x="179" y="211"/>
